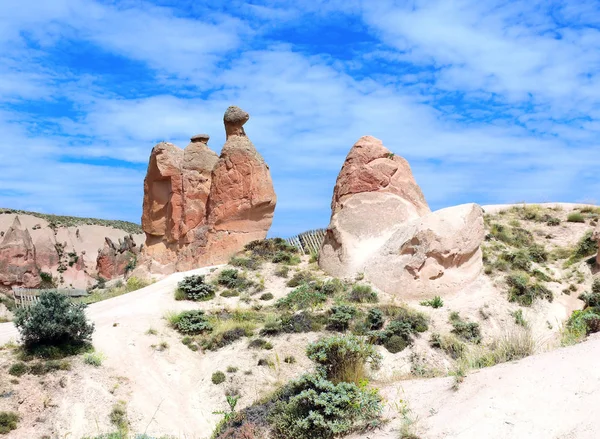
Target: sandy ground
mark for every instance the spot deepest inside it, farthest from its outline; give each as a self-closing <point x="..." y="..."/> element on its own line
<point x="547" y="396"/>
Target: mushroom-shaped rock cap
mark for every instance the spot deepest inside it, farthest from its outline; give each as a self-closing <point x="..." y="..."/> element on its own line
<point x="234" y="119"/>
<point x="203" y="138"/>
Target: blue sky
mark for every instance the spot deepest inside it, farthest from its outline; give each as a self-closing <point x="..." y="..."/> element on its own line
<point x="491" y="102"/>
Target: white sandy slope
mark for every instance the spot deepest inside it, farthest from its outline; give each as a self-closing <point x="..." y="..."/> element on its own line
<point x="552" y="395"/>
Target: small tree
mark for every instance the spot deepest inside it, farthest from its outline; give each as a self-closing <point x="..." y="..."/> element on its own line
<point x="54" y="320"/>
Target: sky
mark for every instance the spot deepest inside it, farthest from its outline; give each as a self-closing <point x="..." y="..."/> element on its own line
<point x="489" y="101"/>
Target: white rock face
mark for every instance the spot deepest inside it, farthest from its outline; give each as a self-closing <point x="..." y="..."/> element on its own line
<point x="434" y="255"/>
<point x="381" y="226"/>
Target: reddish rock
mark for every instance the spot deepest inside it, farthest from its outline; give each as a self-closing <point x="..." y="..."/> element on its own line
<point x="17" y="258"/>
<point x="46" y="255"/>
<point x="371" y="167"/>
<point x="114" y="260"/>
<point x="200" y="208"/>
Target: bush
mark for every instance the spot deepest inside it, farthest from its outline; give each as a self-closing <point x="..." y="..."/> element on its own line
<point x="194" y="288"/>
<point x="53" y="320"/>
<point x="313" y="407"/>
<point x="307" y="295"/>
<point x="553" y="221"/>
<point x="233" y="280"/>
<point x="340" y="317"/>
<point x="260" y="343"/>
<point x="218" y="377"/>
<point x="449" y="344"/>
<point x="576" y="217"/>
<point x="584" y="248"/>
<point x="301" y="277"/>
<point x="268" y="249"/>
<point x="395" y="344"/>
<point x="436" y="302"/>
<point x="282" y="257"/>
<point x="374" y="319"/>
<point x="9" y="421"/>
<point x="249" y="263"/>
<point x="192" y="322"/>
<point x="282" y="271"/>
<point x="362" y="294"/>
<point x="522" y="291"/>
<point x="18" y="369"/>
<point x="118" y="417"/>
<point x="230" y="293"/>
<point x="468" y="331"/>
<point x="222" y="339"/>
<point x="93" y="359"/>
<point x="514" y="236"/>
<point x="266" y="296"/>
<point x="343" y="358"/>
<point x="406" y="324"/>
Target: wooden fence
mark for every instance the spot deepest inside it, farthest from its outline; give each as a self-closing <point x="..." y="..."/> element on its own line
<point x="25" y="297"/>
<point x="308" y="242"/>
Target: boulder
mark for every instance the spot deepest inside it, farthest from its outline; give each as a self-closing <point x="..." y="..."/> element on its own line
<point x="17" y="258"/>
<point x="381" y="226"/>
<point x="436" y="254"/>
<point x="372" y="180"/>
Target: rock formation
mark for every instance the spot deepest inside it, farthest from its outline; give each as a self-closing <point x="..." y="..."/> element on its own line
<point x="17" y="258"/>
<point x="200" y="208"/>
<point x="113" y="260"/>
<point x="381" y="226"/>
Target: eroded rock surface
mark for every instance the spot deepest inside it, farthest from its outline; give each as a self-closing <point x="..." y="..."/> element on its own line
<point x="17" y="258"/>
<point x="381" y="226"/>
<point x="200" y="208"/>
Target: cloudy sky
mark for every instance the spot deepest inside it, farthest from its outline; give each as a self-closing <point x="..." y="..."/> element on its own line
<point x="490" y="101"/>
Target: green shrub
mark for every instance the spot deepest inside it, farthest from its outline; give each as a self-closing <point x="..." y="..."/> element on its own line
<point x="436" y="302"/>
<point x="301" y="277"/>
<point x="118" y="417"/>
<point x="362" y="294"/>
<point x="514" y="236"/>
<point x="233" y="280"/>
<point x="192" y="322"/>
<point x="333" y="286"/>
<point x="406" y="324"/>
<point x="343" y="358"/>
<point x="18" y="369"/>
<point x="340" y="317"/>
<point x="537" y="253"/>
<point x="519" y="319"/>
<point x="249" y="263"/>
<point x="53" y="320"/>
<point x="468" y="331"/>
<point x="218" y="377"/>
<point x="374" y="319"/>
<point x="260" y="343"/>
<point x="449" y="344"/>
<point x="9" y="421"/>
<point x="284" y="257"/>
<point x="268" y="249"/>
<point x="584" y="248"/>
<point x="194" y="288"/>
<point x="576" y="217"/>
<point x="282" y="271"/>
<point x="307" y="295"/>
<point x="395" y="344"/>
<point x="522" y="291"/>
<point x="230" y="293"/>
<point x="294" y="324"/>
<point x="290" y="359"/>
<point x="312" y="407"/>
<point x="222" y="339"/>
<point x="266" y="296"/>
<point x="93" y="359"/>
<point x="44" y="367"/>
<point x="582" y="323"/>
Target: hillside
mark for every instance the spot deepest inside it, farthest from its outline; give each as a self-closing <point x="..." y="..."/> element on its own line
<point x="163" y="379"/>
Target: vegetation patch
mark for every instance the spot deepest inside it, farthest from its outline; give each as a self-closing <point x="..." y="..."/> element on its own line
<point x="450" y="344"/>
<point x="523" y="291"/>
<point x="9" y="421"/>
<point x="194" y="288"/>
<point x="305" y="296"/>
<point x="436" y="302"/>
<point x="468" y="331"/>
<point x="218" y="377"/>
<point x="340" y="317"/>
<point x="190" y="322"/>
<point x="52" y="323"/>
<point x="234" y="280"/>
<point x="399" y="333"/>
<point x="361" y="293"/>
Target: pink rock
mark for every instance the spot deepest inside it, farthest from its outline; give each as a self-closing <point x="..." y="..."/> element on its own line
<point x="17" y="258"/>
